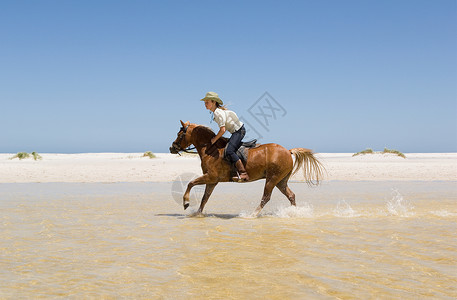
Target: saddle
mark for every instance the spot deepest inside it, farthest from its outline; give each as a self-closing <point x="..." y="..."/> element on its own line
<point x="242" y="152"/>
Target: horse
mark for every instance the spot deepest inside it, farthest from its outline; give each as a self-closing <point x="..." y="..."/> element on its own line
<point x="271" y="162"/>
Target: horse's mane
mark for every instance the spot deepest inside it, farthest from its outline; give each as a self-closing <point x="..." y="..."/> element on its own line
<point x="204" y="131"/>
<point x="205" y="134"/>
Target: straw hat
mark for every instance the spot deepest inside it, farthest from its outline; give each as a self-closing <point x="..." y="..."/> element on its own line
<point x="213" y="96"/>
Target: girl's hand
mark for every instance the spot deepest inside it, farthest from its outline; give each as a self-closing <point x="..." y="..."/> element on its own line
<point x="218" y="135"/>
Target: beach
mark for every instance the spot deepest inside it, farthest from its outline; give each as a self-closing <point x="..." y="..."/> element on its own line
<point x="133" y="167"/>
<point x="112" y="225"/>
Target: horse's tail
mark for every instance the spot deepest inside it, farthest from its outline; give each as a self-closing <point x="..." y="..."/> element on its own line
<point x="313" y="169"/>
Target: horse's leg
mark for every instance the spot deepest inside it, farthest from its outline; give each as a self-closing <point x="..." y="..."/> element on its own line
<point x="208" y="190"/>
<point x="269" y="185"/>
<point x="282" y="186"/>
<point x="204" y="179"/>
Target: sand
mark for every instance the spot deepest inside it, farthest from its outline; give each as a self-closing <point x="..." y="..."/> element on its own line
<point x="133" y="167"/>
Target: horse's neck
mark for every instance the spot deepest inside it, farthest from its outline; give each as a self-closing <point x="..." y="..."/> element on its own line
<point x="201" y="137"/>
<point x="201" y="142"/>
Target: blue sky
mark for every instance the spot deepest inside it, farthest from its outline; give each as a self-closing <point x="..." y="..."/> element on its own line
<point x="117" y="76"/>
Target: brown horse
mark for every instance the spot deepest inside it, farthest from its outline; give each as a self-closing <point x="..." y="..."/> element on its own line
<point x="269" y="161"/>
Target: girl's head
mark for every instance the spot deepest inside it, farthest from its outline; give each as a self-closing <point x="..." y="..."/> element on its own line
<point x="212" y="101"/>
<point x="210" y="105"/>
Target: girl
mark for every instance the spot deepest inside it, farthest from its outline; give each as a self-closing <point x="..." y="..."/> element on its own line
<point x="228" y="120"/>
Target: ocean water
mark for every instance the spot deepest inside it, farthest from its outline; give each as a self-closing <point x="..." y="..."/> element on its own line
<point x="344" y="240"/>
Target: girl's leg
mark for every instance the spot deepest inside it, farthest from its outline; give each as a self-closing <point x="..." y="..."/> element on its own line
<point x="233" y="146"/>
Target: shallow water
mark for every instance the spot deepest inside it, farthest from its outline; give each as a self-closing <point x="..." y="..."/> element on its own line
<point x="348" y="240"/>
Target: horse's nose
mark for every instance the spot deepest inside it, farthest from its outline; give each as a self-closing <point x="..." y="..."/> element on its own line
<point x="173" y="149"/>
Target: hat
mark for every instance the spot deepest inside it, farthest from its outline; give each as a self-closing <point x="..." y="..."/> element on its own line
<point x="213" y="96"/>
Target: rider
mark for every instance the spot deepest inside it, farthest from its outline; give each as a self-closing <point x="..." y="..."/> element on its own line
<point x="228" y="120"/>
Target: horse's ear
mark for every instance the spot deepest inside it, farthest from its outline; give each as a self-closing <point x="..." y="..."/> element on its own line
<point x="182" y="123"/>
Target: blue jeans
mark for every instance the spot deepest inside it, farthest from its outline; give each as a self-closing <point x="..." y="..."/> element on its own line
<point x="234" y="143"/>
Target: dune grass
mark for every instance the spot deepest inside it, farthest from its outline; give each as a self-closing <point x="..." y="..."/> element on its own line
<point x="21" y="155"/>
<point x="149" y="154"/>
<point x="24" y="155"/>
<point x="36" y="156"/>
<point x="396" y="152"/>
<point x="367" y="151"/>
<point x="385" y="151"/>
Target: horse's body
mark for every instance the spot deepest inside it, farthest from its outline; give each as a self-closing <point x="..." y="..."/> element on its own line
<point x="272" y="162"/>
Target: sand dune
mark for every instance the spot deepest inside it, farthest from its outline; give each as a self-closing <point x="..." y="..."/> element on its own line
<point x="132" y="167"/>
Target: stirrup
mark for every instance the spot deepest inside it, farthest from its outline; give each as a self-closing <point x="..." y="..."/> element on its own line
<point x="238" y="178"/>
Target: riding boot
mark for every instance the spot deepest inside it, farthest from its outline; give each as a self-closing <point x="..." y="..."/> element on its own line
<point x="242" y="174"/>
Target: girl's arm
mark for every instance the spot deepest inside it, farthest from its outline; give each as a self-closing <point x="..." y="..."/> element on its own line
<point x="218" y="135"/>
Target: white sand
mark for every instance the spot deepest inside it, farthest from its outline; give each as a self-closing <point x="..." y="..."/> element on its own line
<point x="132" y="167"/>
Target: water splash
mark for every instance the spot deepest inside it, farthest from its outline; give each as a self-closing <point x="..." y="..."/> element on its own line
<point x="398" y="206"/>
<point x="343" y="209"/>
<point x="443" y="213"/>
<point x="246" y="215"/>
<point x="306" y="211"/>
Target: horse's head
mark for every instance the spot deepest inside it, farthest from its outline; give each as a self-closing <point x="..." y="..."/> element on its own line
<point x="183" y="139"/>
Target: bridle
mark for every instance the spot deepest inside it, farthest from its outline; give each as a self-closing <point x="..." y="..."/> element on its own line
<point x="177" y="144"/>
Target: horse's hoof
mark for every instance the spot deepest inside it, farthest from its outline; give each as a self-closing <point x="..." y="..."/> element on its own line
<point x="197" y="214"/>
<point x="186" y="205"/>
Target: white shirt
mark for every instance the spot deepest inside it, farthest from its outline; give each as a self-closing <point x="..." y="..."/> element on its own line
<point x="227" y="118"/>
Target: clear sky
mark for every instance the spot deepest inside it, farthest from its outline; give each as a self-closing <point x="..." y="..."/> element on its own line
<point x="117" y="76"/>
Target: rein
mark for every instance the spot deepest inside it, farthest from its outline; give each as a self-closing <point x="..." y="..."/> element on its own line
<point x="187" y="150"/>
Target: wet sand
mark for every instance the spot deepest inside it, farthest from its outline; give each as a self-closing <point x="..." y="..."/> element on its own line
<point x="345" y="239"/>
